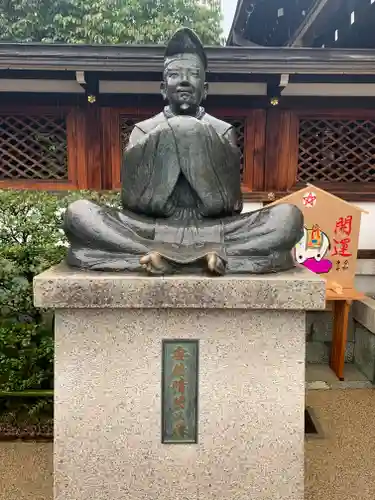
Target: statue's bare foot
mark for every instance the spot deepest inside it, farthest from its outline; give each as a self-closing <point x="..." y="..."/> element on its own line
<point x="215" y="264"/>
<point x="154" y="263"/>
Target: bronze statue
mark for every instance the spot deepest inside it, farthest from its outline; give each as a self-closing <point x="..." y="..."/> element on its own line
<point x="181" y="193"/>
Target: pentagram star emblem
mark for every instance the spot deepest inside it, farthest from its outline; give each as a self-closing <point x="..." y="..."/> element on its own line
<point x="309" y="199"/>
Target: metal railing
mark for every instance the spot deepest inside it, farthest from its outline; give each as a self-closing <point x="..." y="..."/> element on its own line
<point x="27" y="394"/>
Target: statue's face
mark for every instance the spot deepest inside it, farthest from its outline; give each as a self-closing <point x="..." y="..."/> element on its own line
<point x="184" y="84"/>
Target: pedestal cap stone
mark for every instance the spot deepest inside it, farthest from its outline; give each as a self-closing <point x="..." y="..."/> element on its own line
<point x="62" y="287"/>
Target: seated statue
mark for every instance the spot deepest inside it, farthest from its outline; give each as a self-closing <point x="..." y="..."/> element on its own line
<point x="181" y="193"/>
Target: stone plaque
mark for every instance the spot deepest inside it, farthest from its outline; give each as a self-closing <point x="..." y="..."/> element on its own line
<point x="180" y="391"/>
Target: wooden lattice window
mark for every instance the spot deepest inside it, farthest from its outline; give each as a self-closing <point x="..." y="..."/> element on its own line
<point x="127" y="124"/>
<point x="336" y="150"/>
<point x="33" y="147"/>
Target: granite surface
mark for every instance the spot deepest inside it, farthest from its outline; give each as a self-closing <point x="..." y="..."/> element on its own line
<point x="364" y="279"/>
<point x="365" y="284"/>
<point x="364" y="351"/>
<point x="108" y="401"/>
<point x="320" y="352"/>
<point x="319" y="326"/>
<point x="62" y="287"/>
<point x="364" y="313"/>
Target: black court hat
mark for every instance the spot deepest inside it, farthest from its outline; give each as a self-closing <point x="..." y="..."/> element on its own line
<point x="185" y="41"/>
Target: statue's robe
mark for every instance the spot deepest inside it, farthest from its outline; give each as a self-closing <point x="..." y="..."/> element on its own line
<point x="181" y="197"/>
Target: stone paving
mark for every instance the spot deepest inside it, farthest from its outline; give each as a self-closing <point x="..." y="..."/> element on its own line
<point x="322" y="377"/>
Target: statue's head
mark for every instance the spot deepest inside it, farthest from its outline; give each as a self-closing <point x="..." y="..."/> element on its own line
<point x="184" y="83"/>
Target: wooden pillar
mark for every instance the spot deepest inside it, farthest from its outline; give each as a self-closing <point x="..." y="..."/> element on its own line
<point x="111" y="148"/>
<point x="281" y="150"/>
<point x="77" y="149"/>
<point x="254" y="151"/>
<point x="341" y="309"/>
<point x="93" y="146"/>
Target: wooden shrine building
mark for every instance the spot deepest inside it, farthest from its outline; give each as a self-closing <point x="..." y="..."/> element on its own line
<point x="302" y="114"/>
<point x="304" y="23"/>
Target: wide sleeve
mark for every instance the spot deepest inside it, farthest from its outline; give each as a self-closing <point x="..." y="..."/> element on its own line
<point x="149" y="172"/>
<point x="210" y="162"/>
<point x="136" y="135"/>
<point x="231" y="138"/>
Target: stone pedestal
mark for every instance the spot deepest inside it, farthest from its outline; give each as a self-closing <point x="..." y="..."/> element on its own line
<point x="108" y="361"/>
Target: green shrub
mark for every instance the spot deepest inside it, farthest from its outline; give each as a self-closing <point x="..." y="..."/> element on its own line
<point x="26" y="353"/>
<point x="31" y="241"/>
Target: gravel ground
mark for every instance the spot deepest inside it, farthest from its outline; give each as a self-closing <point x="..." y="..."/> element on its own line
<point x="26" y="471"/>
<point x="339" y="465"/>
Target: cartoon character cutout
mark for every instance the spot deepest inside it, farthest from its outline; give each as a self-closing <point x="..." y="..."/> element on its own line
<point x="311" y="250"/>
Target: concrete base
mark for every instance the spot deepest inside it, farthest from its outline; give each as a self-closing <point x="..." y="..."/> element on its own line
<point x="364" y="352"/>
<point x="251" y="386"/>
<point x="365" y="272"/>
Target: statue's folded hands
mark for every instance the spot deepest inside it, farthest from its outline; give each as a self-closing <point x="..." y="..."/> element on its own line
<point x="181" y="193"/>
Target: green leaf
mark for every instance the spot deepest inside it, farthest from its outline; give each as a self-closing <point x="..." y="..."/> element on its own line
<point x="106" y="21"/>
<point x="30" y="242"/>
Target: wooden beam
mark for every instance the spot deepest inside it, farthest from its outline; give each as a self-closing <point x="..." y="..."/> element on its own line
<point x="356" y="34"/>
<point x="366" y="254"/>
<point x="149" y="59"/>
<point x="234" y="28"/>
<point x="321" y="12"/>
